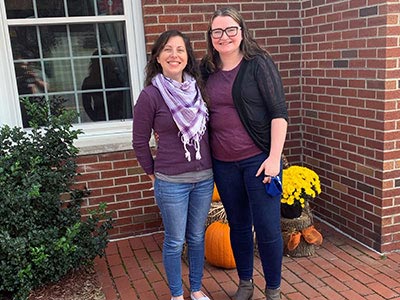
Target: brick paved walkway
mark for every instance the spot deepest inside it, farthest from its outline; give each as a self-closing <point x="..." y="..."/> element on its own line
<point x="340" y="269"/>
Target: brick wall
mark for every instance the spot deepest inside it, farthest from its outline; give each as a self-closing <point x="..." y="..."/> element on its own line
<point x="340" y="65"/>
<point x="350" y="115"/>
<point x="117" y="179"/>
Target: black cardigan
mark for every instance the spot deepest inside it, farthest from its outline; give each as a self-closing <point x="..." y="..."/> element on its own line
<point x="259" y="97"/>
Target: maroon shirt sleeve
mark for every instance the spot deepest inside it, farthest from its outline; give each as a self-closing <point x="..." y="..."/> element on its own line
<point x="143" y="117"/>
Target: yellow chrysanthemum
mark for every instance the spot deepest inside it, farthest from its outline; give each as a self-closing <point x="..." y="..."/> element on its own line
<point x="298" y="184"/>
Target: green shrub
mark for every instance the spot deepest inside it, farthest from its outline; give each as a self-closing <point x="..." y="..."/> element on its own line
<point x="42" y="233"/>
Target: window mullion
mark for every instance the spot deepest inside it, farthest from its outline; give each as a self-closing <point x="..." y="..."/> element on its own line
<point x="43" y="75"/>
<point x="96" y="10"/>
<point x="64" y="20"/>
<point x="103" y="84"/>
<point x="69" y="41"/>
<point x="35" y="11"/>
<point x="66" y="8"/>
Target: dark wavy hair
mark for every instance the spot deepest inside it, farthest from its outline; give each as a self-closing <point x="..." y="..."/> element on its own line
<point x="249" y="47"/>
<point x="153" y="67"/>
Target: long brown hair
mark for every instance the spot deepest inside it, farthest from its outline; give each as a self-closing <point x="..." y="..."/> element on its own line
<point x="249" y="47"/>
<point x="153" y="67"/>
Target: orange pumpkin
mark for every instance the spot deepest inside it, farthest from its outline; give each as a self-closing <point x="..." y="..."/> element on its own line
<point x="218" y="250"/>
<point x="215" y="196"/>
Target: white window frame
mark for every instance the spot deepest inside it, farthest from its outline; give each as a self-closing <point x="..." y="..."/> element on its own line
<point x="99" y="136"/>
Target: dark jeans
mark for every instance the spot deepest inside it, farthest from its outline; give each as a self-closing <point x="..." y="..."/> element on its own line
<point x="246" y="204"/>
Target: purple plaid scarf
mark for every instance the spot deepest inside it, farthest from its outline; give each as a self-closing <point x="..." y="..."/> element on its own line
<point x="187" y="107"/>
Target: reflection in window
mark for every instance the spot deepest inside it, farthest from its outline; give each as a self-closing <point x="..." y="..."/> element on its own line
<point x="21" y="9"/>
<point x="30" y="79"/>
<point x="81" y="8"/>
<point x="117" y="106"/>
<point x="105" y="75"/>
<point x="84" y="39"/>
<point x="54" y="41"/>
<point x="50" y="8"/>
<point x="59" y="75"/>
<point x="85" y="63"/>
<point x="111" y="38"/>
<point x="54" y="103"/>
<point x="110" y="7"/>
<point x="24" y="42"/>
<point x="69" y="103"/>
<point x="25" y="117"/>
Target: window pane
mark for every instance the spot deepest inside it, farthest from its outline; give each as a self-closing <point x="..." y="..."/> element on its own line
<point x="30" y="80"/>
<point x="92" y="107"/>
<point x="83" y="39"/>
<point x="81" y="69"/>
<point x="119" y="105"/>
<point x="24" y="42"/>
<point x="59" y="75"/>
<point x="112" y="37"/>
<point x="93" y="78"/>
<point x="20" y="9"/>
<point x="116" y="72"/>
<point x="50" y="8"/>
<point x="81" y="8"/>
<point x="54" y="41"/>
<point x="110" y="7"/>
<point x="69" y="103"/>
<point x="24" y="113"/>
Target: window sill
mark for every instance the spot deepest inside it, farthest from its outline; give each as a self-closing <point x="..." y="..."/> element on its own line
<point x="104" y="143"/>
<point x="106" y="137"/>
<point x="103" y="137"/>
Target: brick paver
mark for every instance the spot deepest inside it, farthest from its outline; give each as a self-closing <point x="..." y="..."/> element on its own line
<point x="340" y="269"/>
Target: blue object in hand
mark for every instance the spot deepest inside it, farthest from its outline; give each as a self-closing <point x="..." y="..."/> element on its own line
<point x="274" y="188"/>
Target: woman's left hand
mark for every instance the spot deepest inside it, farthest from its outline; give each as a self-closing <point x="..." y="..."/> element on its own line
<point x="269" y="168"/>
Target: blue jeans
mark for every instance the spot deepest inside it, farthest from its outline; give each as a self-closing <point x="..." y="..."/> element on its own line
<point x="246" y="204"/>
<point x="184" y="209"/>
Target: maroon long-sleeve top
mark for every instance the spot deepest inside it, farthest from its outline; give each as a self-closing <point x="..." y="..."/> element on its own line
<point x="151" y="112"/>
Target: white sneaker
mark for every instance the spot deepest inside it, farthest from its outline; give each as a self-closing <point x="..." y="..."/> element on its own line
<point x="204" y="297"/>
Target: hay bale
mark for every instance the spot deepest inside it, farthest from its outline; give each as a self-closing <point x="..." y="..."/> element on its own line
<point x="302" y="250"/>
<point x="296" y="224"/>
<point x="288" y="226"/>
<point x="216" y="213"/>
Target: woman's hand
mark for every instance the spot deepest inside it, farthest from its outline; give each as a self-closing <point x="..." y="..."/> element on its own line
<point x="272" y="165"/>
<point x="152" y="178"/>
<point x="269" y="168"/>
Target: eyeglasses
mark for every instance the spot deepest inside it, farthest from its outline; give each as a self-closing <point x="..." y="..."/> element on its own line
<point x="231" y="31"/>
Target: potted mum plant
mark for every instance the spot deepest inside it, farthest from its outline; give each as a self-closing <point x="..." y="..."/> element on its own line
<point x="300" y="184"/>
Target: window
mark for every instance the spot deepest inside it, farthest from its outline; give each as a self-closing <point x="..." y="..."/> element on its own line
<point x="79" y="50"/>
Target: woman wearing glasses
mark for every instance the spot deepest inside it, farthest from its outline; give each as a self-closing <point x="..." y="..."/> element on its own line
<point x="248" y="123"/>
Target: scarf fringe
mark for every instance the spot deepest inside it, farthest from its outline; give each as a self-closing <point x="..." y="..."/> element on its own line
<point x="195" y="142"/>
<point x="187" y="153"/>
<point x="197" y="147"/>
